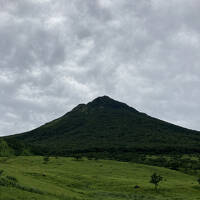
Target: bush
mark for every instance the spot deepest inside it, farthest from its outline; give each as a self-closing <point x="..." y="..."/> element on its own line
<point x="12" y="178"/>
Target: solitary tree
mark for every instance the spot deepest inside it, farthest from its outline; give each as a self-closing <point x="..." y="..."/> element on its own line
<point x="156" y="179"/>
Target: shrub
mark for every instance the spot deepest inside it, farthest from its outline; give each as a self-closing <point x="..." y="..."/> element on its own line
<point x="12" y="178"/>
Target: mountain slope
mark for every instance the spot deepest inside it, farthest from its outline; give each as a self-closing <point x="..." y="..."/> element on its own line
<point x="106" y="125"/>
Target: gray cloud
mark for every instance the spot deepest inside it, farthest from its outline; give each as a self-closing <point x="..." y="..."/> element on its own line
<point x="56" y="54"/>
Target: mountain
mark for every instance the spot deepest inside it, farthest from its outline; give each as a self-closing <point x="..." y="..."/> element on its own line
<point x="108" y="127"/>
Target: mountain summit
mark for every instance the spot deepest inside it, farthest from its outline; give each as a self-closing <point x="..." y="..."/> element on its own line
<point x="108" y="126"/>
<point x="107" y="102"/>
<point x="104" y="102"/>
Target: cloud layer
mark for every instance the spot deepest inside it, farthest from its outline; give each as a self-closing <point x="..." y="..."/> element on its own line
<point x="56" y="54"/>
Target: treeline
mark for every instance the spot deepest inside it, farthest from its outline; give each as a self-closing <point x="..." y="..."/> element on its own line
<point x="186" y="160"/>
<point x="169" y="157"/>
<point x="186" y="163"/>
<point x="124" y="154"/>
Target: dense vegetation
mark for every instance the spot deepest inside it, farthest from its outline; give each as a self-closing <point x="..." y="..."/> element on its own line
<point x="30" y="178"/>
<point x="5" y="149"/>
<point x="106" y="128"/>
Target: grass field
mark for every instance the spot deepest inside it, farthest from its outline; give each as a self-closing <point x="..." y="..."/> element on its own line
<point x="67" y="179"/>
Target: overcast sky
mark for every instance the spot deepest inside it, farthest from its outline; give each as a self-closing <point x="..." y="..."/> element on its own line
<point x="57" y="54"/>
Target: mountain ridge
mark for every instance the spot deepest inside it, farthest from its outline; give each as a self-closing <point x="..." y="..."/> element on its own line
<point x="106" y="125"/>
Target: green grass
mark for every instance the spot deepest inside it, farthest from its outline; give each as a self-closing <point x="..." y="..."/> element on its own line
<point x="67" y="179"/>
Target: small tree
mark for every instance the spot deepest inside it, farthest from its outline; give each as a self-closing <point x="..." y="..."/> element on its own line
<point x="46" y="159"/>
<point x="156" y="179"/>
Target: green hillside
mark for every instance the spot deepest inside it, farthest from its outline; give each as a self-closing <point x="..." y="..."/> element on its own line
<point x="30" y="178"/>
<point x="110" y="128"/>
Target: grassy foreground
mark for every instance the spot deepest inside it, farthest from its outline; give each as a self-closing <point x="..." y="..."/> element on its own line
<point x="67" y="179"/>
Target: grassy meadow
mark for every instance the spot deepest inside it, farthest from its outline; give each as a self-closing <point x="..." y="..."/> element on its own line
<point x="29" y="178"/>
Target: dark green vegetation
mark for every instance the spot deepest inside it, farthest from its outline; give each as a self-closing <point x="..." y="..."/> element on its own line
<point x="5" y="149"/>
<point x="156" y="179"/>
<point x="28" y="178"/>
<point x="106" y="128"/>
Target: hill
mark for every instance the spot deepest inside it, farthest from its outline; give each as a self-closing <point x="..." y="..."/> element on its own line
<point x="110" y="128"/>
<point x="66" y="179"/>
